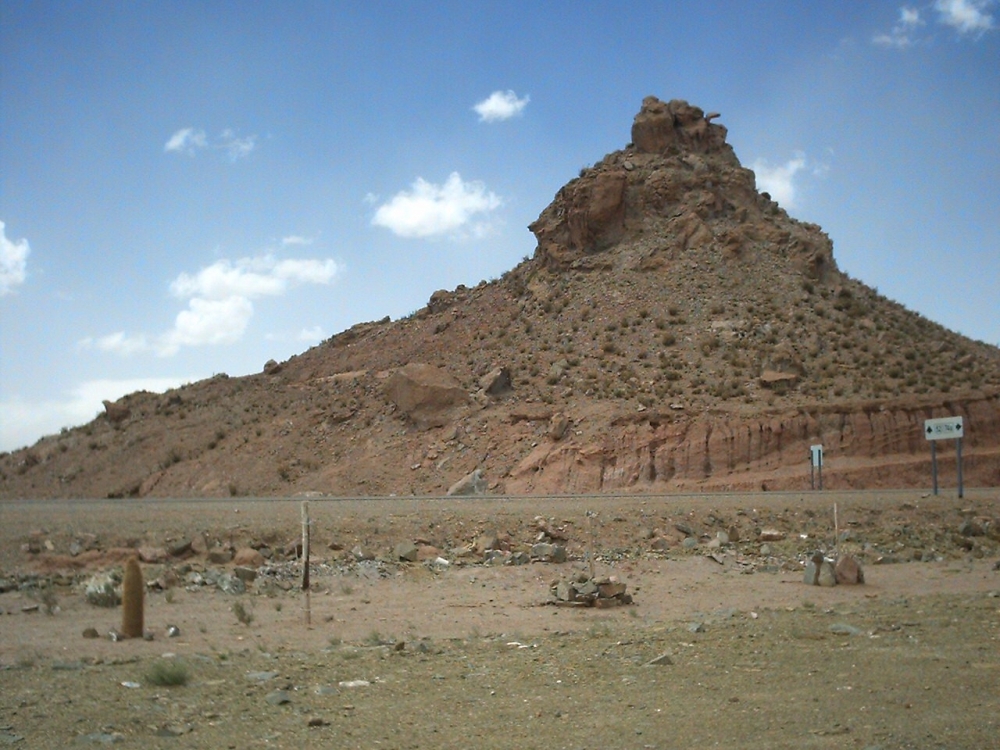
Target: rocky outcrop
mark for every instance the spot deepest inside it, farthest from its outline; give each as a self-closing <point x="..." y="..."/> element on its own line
<point x="662" y="127"/>
<point x="116" y="413"/>
<point x="680" y="182"/>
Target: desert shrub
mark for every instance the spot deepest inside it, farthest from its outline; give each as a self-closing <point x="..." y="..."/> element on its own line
<point x="47" y="599"/>
<point x="168" y="673"/>
<point x="174" y="456"/>
<point x="243" y="613"/>
<point x="102" y="591"/>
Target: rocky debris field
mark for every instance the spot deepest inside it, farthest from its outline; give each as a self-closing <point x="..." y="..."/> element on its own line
<point x="560" y="622"/>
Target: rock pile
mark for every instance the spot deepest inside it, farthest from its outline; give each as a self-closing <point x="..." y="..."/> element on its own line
<point x="584" y="591"/>
<point x="822" y="571"/>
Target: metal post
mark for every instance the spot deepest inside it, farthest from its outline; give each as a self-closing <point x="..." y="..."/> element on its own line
<point x="305" y="560"/>
<point x="934" y="464"/>
<point x="820" y="475"/>
<point x="960" y="468"/>
<point x="812" y="474"/>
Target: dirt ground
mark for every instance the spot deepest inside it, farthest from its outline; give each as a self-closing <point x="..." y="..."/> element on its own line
<point x="724" y="646"/>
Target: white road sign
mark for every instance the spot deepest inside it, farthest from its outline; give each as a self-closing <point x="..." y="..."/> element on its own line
<point x="816" y="452"/>
<point x="944" y="428"/>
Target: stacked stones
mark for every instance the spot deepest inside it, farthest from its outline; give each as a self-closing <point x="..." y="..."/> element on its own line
<point x="581" y="591"/>
<point x="821" y="571"/>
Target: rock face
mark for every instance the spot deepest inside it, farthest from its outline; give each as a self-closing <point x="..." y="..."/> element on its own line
<point x="655" y="448"/>
<point x="680" y="183"/>
<point x="662" y="127"/>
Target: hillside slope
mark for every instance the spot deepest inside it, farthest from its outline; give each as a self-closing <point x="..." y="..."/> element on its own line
<point x="675" y="328"/>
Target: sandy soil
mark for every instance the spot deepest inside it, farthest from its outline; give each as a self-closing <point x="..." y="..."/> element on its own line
<point x="413" y="655"/>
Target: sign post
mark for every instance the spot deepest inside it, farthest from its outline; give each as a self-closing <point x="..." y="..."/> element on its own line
<point x="944" y="428"/>
<point x="816" y="455"/>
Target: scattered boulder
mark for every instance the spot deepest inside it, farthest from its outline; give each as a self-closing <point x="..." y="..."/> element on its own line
<point x="220" y="555"/>
<point x="428" y="396"/>
<point x="819" y="571"/>
<point x="362" y="554"/>
<point x="549" y="532"/>
<point x="471" y="484"/>
<point x="406" y="551"/>
<point x="248" y="557"/>
<point x="245" y="574"/>
<point x="180" y="548"/>
<point x="661" y="544"/>
<point x="545" y="552"/>
<point x="778" y="381"/>
<point x="849" y="571"/>
<point x="558" y="426"/>
<point x="487" y="542"/>
<point x="152" y="555"/>
<point x="496" y="382"/>
<point x="231" y="584"/>
<point x="496" y="557"/>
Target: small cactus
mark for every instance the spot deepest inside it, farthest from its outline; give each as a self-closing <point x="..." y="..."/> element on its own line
<point x="133" y="604"/>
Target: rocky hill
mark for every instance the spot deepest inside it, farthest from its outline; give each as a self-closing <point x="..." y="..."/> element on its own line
<point x="675" y="329"/>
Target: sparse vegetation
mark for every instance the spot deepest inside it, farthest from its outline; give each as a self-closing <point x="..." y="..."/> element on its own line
<point x="168" y="673"/>
<point x="244" y="614"/>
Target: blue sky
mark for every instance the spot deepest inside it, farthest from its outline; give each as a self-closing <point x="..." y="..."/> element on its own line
<point x="190" y="188"/>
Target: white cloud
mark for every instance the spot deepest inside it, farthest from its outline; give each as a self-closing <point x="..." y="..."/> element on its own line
<point x="13" y="262"/>
<point x="219" y="303"/>
<point x="429" y="210"/>
<point x="901" y="34"/>
<point x="296" y="239"/>
<point x="24" y="422"/>
<point x="252" y="277"/>
<point x="118" y="342"/>
<point x="311" y="335"/>
<point x="779" y="180"/>
<point x="965" y="16"/>
<point x="236" y="148"/>
<point x="500" y="105"/>
<point x="207" y="322"/>
<point x="186" y="141"/>
<point x="190" y="140"/>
